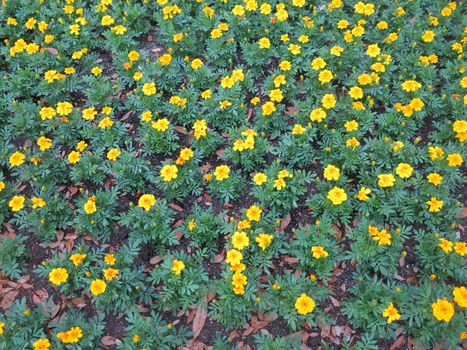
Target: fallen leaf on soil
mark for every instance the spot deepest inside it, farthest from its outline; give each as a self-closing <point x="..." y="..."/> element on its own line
<point x="178" y="223"/>
<point x="217" y="259"/>
<point x="290" y="260"/>
<point x="200" y="318"/>
<point x="291" y="110"/>
<point x="40" y="296"/>
<point x="284" y="223"/>
<point x="52" y="50"/>
<point x="109" y="341"/>
<point x="220" y="152"/>
<point x="126" y="116"/>
<point x="397" y="343"/>
<point x="176" y="207"/>
<point x="8" y="299"/>
<point x="155" y="260"/>
<point x="334" y="301"/>
<point x="181" y="129"/>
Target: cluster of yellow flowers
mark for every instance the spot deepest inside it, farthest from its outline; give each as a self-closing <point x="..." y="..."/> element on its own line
<point x="248" y="143"/>
<point x="240" y="240"/>
<point x="73" y="335"/>
<point x="382" y="236"/>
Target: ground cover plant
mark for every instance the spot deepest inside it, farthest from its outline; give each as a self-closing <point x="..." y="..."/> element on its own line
<point x="232" y="174"/>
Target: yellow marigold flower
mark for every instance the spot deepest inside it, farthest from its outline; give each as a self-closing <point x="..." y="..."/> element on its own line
<point x="2" y="186"/>
<point x="240" y="240"/>
<point x="337" y="195"/>
<point x="107" y="20"/>
<point x="336" y="50"/>
<point x="443" y="310"/>
<point x="233" y="257"/>
<point x="298" y="130"/>
<point x="165" y="59"/>
<point x="74" y="157"/>
<point x="191" y="225"/>
<point x="64" y="108"/>
<point x="16" y="159"/>
<point x="96" y="70"/>
<point x="318" y="252"/>
<point x="105" y="123"/>
<point x="119" y="29"/>
<point x="285" y="65"/>
<point x="382" y="237"/>
<point x="265" y="8"/>
<point x="149" y="89"/>
<point x="279" y="80"/>
<point x="328" y="101"/>
<point x="325" y="76"/>
<point x="434" y="205"/>
<point x="264" y="43"/>
<point x="239" y="280"/>
<point x="109" y="259"/>
<point x="177" y="267"/>
<point x="404" y="170"/>
<point x="133" y="56"/>
<point x="196" y="64"/>
<point x="391" y="313"/>
<point x="90" y="206"/>
<point x="304" y="304"/>
<point x="268" y="108"/>
<point x="264" y="240"/>
<point x="445" y="245"/>
<point x="77" y="259"/>
<point x="161" y="124"/>
<point x="352" y="143"/>
<point x="331" y="172"/>
<point x="41" y="344"/>
<point x="38" y="202"/>
<point x="276" y="95"/>
<point x="434" y="178"/>
<point x="460" y="296"/>
<point x="110" y="273"/>
<point x="222" y="172"/>
<point x="253" y="213"/>
<point x="279" y="184"/>
<point x="461" y="248"/>
<point x="356" y="92"/>
<point x="351" y="125"/>
<point x="47" y="113"/>
<point x="169" y="172"/>
<point x="455" y="159"/>
<point x="89" y="113"/>
<point x="342" y="24"/>
<point x="200" y="128"/>
<point x="294" y="49"/>
<point x="44" y="143"/>
<point x="16" y="203"/>
<point x="146" y="201"/>
<point x="206" y="94"/>
<point x="97" y="287"/>
<point x="58" y="276"/>
<point x="382" y="25"/>
<point x="317" y="115"/>
<point x="411" y="85"/>
<point x="363" y="193"/>
<point x="260" y="178"/>
<point x="113" y="154"/>
<point x="373" y="50"/>
<point x="386" y="180"/>
<point x="428" y="36"/>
